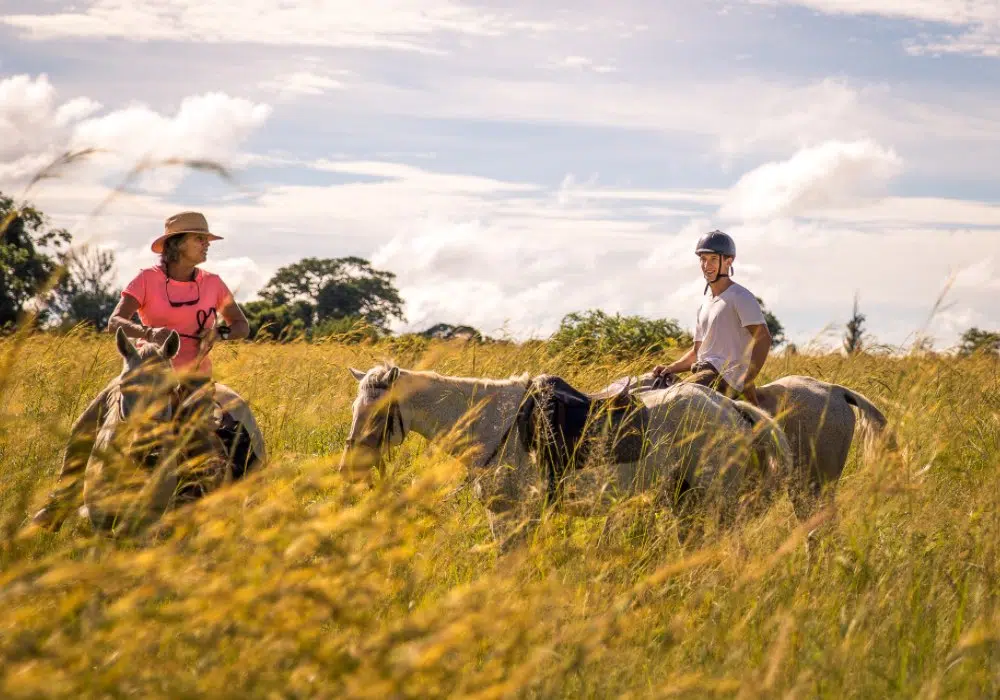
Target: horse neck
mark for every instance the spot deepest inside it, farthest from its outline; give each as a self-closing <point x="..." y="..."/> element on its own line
<point x="113" y="405"/>
<point x="438" y="404"/>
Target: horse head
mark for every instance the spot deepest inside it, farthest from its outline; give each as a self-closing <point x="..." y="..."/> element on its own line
<point x="377" y="423"/>
<point x="147" y="393"/>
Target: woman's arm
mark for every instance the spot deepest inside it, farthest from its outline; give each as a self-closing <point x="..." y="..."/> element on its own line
<point x="239" y="327"/>
<point x="121" y="318"/>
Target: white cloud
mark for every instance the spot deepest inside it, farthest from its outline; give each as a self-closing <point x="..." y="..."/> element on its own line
<point x="747" y="115"/>
<point x="392" y="24"/>
<point x="834" y="173"/>
<point x="584" y="63"/>
<point x="75" y="110"/>
<point x="303" y="83"/>
<point x="480" y="251"/>
<point x="35" y="130"/>
<point x="208" y="127"/>
<point x="243" y="275"/>
<point x="977" y="20"/>
<point x="423" y="180"/>
<point x="946" y="11"/>
<point x="900" y="212"/>
<point x="494" y="278"/>
<point x="30" y="117"/>
<point x="981" y="275"/>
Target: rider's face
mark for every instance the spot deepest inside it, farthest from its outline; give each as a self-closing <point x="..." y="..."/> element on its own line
<point x="710" y="266"/>
<point x="194" y="248"/>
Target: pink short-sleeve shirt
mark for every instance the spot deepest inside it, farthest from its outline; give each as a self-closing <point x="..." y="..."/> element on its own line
<point x="154" y="291"/>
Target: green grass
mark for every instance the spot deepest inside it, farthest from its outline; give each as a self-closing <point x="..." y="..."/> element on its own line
<point x="297" y="584"/>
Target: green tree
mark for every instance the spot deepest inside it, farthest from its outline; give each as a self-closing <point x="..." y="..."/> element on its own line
<point x="26" y="266"/>
<point x="975" y="341"/>
<point x="774" y="326"/>
<point x="337" y="288"/>
<point x="278" y="321"/>
<point x="87" y="293"/>
<point x="594" y="335"/>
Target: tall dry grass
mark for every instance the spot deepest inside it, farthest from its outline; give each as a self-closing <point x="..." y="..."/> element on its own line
<point x="297" y="584"/>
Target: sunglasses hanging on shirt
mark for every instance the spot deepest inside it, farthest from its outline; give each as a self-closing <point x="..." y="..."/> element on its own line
<point x="176" y="304"/>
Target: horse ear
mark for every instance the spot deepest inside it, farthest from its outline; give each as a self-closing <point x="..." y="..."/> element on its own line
<point x="358" y="374"/>
<point x="172" y="345"/>
<point x="392" y="376"/>
<point x="125" y="347"/>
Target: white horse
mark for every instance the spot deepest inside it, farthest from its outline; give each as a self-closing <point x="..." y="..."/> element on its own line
<point x="699" y="444"/>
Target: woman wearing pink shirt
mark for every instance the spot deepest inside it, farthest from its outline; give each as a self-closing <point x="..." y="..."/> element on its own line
<point x="176" y="295"/>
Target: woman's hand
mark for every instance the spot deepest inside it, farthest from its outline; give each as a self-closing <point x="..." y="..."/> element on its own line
<point x="159" y="335"/>
<point x="207" y="340"/>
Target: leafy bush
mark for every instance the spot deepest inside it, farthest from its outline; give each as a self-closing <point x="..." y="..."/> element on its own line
<point x="594" y="335"/>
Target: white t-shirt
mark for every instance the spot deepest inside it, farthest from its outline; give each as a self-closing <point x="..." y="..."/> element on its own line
<point x="721" y="328"/>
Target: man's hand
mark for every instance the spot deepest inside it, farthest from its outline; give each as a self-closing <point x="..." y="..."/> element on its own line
<point x="663" y="376"/>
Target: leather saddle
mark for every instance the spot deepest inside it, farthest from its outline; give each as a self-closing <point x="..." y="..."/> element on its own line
<point x="566" y="427"/>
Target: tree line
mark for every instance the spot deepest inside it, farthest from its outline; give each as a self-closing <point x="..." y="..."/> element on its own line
<point x="45" y="281"/>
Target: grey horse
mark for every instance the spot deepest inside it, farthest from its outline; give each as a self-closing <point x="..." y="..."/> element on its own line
<point x="820" y="420"/>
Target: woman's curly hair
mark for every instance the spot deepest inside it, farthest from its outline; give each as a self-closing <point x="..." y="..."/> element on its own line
<point x="172" y="249"/>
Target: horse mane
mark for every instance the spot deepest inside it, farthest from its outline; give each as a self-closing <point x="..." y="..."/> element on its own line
<point x="376" y="379"/>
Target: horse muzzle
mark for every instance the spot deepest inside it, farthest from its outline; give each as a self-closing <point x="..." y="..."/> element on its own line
<point x="358" y="456"/>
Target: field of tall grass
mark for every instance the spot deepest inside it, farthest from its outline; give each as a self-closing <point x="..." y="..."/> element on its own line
<point x="298" y="584"/>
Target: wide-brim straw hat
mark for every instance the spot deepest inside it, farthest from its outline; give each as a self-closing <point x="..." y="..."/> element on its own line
<point x="185" y="222"/>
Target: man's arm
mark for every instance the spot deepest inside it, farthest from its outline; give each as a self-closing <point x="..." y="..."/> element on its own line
<point x="682" y="364"/>
<point x="759" y="352"/>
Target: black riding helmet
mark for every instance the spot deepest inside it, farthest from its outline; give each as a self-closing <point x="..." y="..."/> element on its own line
<point x="719" y="243"/>
<point x="716" y="242"/>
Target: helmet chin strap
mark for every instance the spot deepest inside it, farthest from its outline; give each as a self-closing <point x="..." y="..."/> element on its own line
<point x="718" y="275"/>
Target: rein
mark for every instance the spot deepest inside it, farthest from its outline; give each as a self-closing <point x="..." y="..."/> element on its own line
<point x="202" y="317"/>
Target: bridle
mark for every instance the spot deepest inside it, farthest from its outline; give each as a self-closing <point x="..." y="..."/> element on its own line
<point x="150" y="455"/>
<point x="173" y="404"/>
<point x="393" y="415"/>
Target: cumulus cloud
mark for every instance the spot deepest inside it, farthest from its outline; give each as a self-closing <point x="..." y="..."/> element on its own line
<point x="498" y="280"/>
<point x="31" y="119"/>
<point x="834" y="173"/>
<point x="208" y="127"/>
<point x="35" y="129"/>
<point x="495" y="278"/>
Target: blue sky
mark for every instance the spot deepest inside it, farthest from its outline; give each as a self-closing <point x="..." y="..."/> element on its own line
<point x="512" y="164"/>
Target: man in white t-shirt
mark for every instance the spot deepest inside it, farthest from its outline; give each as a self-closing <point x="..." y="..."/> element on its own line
<point x="731" y="340"/>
